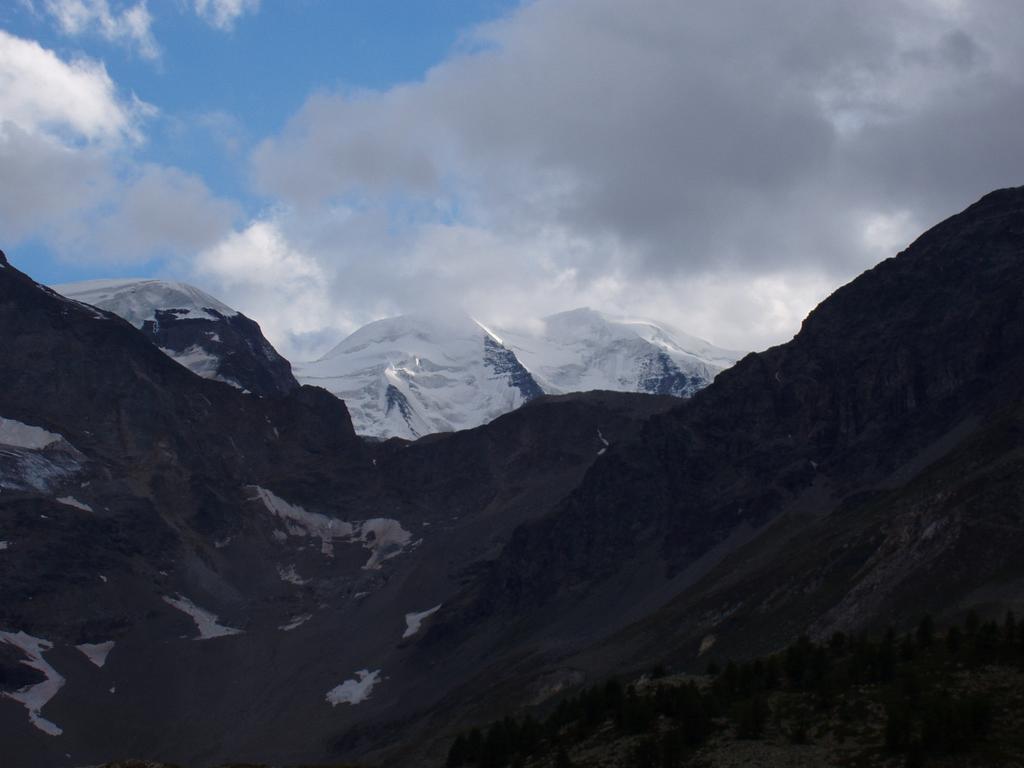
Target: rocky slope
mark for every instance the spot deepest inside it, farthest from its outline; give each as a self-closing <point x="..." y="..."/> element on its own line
<point x="177" y="551"/>
<point x="195" y="329"/>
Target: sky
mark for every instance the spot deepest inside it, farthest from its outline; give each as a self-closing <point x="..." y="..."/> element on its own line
<point x="719" y="165"/>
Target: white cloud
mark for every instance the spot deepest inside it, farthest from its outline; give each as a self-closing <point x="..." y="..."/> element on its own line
<point x="77" y="100"/>
<point x="129" y="24"/>
<point x="70" y="180"/>
<point x="223" y="14"/>
<point x="257" y="271"/>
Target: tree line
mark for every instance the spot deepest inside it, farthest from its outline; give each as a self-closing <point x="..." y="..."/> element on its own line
<point x="910" y="674"/>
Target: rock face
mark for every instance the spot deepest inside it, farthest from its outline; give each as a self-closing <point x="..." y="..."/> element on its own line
<point x="259" y="568"/>
<point x="195" y="329"/>
<point x="417" y="375"/>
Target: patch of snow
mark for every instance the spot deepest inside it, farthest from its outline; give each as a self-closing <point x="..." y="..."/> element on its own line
<point x="705" y="644"/>
<point x="206" y="622"/>
<point x="299" y="522"/>
<point x="113" y="689"/>
<point x="291" y="576"/>
<point x="73" y="502"/>
<point x="221" y="543"/>
<point x="413" y="621"/>
<point x="34" y="459"/>
<point x="4" y="545"/>
<point x="384" y="537"/>
<point x="196" y="359"/>
<point x="354" y="691"/>
<point x="202" y="363"/>
<point x="96" y="652"/>
<point x="18" y="435"/>
<point x="35" y="697"/>
<point x="298" y="621"/>
<point x="103" y="578"/>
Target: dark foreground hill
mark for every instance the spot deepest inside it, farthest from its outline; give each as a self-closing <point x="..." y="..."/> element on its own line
<point x="864" y="473"/>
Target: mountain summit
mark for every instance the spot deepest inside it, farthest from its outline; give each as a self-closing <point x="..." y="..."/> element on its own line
<point x="413" y="375"/>
<point x="195" y="329"/>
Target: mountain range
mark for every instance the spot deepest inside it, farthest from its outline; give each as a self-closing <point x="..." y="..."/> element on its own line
<point x="196" y="574"/>
<point x="415" y="375"/>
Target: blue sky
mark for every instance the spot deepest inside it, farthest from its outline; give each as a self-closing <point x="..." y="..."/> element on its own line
<point x="718" y="165"/>
<point x="219" y="91"/>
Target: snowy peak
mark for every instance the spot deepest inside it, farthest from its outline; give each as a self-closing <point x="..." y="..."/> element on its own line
<point x="192" y="327"/>
<point x="583" y="349"/>
<point x="139" y="301"/>
<point x="412" y="375"/>
<point x="444" y="334"/>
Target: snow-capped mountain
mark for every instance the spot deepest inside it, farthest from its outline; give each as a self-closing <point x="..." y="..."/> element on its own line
<point x="410" y="376"/>
<point x="583" y="350"/>
<point x="202" y="333"/>
<point x="414" y="375"/>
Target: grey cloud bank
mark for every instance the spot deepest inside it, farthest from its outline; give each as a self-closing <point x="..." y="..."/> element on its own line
<point x="581" y="151"/>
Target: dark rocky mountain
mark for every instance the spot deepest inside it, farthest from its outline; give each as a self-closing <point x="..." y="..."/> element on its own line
<point x="195" y="329"/>
<point x="367" y="600"/>
<point x="860" y="475"/>
<point x="166" y="507"/>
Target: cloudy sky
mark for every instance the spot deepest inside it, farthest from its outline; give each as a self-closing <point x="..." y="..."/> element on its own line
<point x="720" y="165"/>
